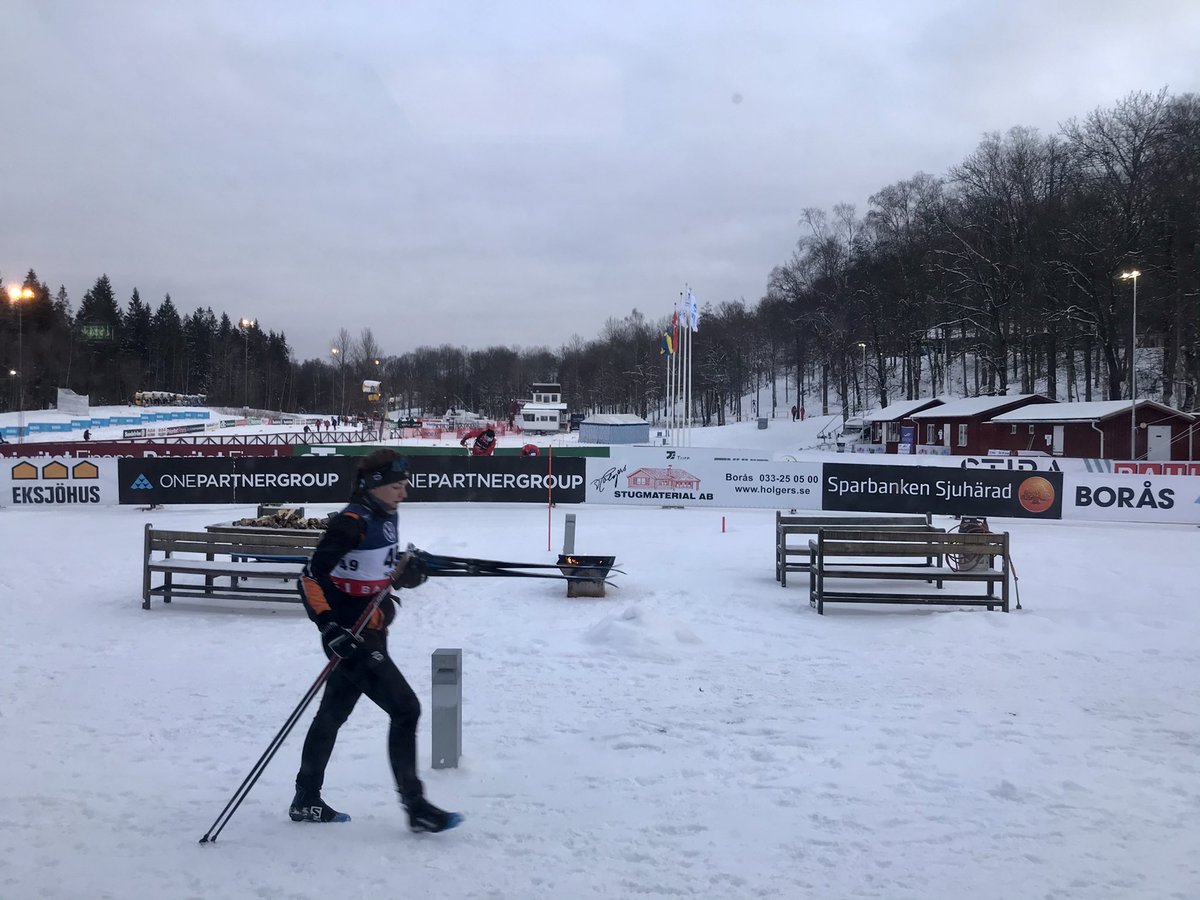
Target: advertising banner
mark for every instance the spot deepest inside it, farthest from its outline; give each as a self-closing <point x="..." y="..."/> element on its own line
<point x="1132" y="498"/>
<point x="941" y="491"/>
<point x="688" y="476"/>
<point x="1019" y="463"/>
<point x="182" y="429"/>
<point x="329" y="479"/>
<point x="1144" y="467"/>
<point x="44" y="481"/>
<point x="73" y="404"/>
<point x="234" y="479"/>
<point x="82" y="449"/>
<point x="495" y="479"/>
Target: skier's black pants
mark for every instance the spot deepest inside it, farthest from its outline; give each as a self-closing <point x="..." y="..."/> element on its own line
<point x="373" y="673"/>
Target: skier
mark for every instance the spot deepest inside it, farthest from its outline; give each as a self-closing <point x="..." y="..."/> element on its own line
<point x="485" y="441"/>
<point x="356" y="558"/>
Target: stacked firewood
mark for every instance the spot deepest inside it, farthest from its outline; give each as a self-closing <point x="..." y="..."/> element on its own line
<point x="285" y="518"/>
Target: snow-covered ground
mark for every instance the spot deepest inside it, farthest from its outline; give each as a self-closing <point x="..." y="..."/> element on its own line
<point x="698" y="733"/>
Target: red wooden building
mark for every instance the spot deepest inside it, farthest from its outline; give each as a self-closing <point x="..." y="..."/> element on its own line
<point x="888" y="424"/>
<point x="963" y="427"/>
<point x="1098" y="430"/>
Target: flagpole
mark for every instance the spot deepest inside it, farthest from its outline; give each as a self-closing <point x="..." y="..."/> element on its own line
<point x="681" y="416"/>
<point x="687" y="389"/>
<point x="667" y="396"/>
<point x="677" y="385"/>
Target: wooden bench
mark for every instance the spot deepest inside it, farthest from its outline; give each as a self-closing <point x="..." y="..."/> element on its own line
<point x="810" y="524"/>
<point x="254" y="564"/>
<point x="873" y="582"/>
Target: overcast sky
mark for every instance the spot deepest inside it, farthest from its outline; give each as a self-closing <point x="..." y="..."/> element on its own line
<point x="507" y="173"/>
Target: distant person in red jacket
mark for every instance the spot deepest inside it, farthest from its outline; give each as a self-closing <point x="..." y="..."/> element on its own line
<point x="529" y="450"/>
<point x="485" y="441"/>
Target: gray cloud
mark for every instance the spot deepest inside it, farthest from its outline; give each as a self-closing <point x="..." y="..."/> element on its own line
<point x="513" y="173"/>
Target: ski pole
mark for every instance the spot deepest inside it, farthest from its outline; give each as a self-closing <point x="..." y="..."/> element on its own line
<point x="276" y="742"/>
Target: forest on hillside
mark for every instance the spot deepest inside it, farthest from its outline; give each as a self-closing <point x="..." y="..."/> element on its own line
<point x="1005" y="274"/>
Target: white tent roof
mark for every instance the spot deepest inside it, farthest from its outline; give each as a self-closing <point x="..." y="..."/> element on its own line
<point x="972" y="406"/>
<point x="615" y="419"/>
<point x="1077" y="412"/>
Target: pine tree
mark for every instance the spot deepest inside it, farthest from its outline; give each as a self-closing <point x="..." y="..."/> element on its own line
<point x="166" y="344"/>
<point x="136" y="337"/>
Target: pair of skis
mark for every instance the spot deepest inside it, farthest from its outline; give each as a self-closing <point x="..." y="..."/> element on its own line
<point x="439" y="566"/>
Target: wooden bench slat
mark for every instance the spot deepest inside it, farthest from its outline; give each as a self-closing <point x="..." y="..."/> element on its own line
<point x="220" y="567"/>
<point x="932" y="547"/>
<point x="914" y="573"/>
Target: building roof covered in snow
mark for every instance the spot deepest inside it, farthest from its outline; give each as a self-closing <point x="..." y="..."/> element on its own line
<point x="903" y="409"/>
<point x="1090" y="411"/>
<point x="975" y="406"/>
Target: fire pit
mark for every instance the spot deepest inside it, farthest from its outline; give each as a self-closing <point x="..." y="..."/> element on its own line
<point x="589" y="571"/>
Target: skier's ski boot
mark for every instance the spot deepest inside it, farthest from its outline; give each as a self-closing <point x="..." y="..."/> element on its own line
<point x="423" y="816"/>
<point x="307" y="806"/>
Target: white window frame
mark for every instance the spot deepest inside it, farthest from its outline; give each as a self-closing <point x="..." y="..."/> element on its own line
<point x="962" y="435"/>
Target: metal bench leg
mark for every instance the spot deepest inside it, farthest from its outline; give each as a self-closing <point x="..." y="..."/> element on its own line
<point x="146" y="567"/>
<point x="819" y="573"/>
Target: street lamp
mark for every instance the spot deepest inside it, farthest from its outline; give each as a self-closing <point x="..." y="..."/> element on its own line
<point x="16" y="295"/>
<point x="337" y="355"/>
<point x="246" y="324"/>
<point x="1132" y="274"/>
<point x="382" y="398"/>
<point x="863" y="403"/>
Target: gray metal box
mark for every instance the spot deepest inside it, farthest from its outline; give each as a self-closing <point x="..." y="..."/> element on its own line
<point x="446" y="721"/>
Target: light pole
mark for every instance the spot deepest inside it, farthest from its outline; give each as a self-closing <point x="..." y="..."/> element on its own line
<point x="337" y="355"/>
<point x="246" y="324"/>
<point x="1132" y="274"/>
<point x="863" y="403"/>
<point x="16" y="295"/>
<point x="382" y="399"/>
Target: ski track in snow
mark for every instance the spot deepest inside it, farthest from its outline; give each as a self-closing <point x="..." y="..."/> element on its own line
<point x="698" y="733"/>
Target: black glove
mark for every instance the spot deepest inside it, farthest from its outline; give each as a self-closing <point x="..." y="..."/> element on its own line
<point x="414" y="574"/>
<point x="340" y="641"/>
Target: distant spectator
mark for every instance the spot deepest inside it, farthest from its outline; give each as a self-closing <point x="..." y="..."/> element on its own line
<point x="485" y="441"/>
<point x="795" y="412"/>
<point x="87" y="434"/>
<point x="529" y="450"/>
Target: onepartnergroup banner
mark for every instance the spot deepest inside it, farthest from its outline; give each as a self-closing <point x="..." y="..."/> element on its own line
<point x="330" y="479"/>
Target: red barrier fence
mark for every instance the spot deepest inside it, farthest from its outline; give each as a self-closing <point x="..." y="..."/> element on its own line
<point x="79" y="449"/>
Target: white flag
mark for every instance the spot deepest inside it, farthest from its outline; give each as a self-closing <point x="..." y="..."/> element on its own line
<point x="693" y="311"/>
